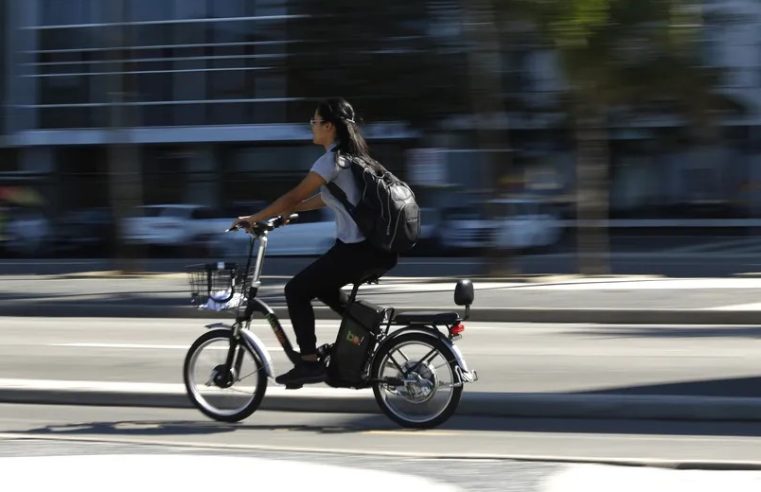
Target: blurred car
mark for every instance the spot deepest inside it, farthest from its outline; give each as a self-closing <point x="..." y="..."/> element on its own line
<point x="429" y="238"/>
<point x="465" y="227"/>
<point x="26" y="231"/>
<point x="312" y="234"/>
<point x="174" y="224"/>
<point x="505" y="223"/>
<point x="89" y="229"/>
<point x="522" y="223"/>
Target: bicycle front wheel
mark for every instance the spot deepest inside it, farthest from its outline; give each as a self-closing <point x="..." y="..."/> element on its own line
<point x="222" y="394"/>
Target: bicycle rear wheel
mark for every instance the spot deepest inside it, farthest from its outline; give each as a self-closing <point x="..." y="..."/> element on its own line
<point x="426" y="391"/>
<point x="228" y="396"/>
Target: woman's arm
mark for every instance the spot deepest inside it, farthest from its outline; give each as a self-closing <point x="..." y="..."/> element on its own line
<point x="310" y="204"/>
<point x="289" y="202"/>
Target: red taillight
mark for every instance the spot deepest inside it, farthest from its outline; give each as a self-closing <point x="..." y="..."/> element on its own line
<point x="457" y="329"/>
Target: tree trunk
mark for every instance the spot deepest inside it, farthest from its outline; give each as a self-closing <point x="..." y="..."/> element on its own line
<point x="124" y="169"/>
<point x="484" y="74"/>
<point x="592" y="195"/>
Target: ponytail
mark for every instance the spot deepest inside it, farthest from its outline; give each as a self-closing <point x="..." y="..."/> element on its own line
<point x="349" y="139"/>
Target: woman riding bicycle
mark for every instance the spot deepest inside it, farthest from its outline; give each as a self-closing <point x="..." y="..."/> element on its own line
<point x="351" y="258"/>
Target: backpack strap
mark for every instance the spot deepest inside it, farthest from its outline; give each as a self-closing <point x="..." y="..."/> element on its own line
<point x="337" y="192"/>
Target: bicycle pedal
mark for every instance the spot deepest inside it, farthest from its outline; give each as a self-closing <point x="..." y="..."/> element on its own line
<point x="293" y="386"/>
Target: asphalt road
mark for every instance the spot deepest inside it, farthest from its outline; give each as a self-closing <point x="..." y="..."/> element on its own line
<point x="509" y="357"/>
<point x="370" y="440"/>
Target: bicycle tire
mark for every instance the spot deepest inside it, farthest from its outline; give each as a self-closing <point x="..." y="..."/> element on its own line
<point x="202" y="404"/>
<point x="380" y="389"/>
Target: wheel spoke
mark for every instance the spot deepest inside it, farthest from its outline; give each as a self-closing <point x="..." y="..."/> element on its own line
<point x="249" y="374"/>
<point x="448" y="385"/>
<point x="391" y="357"/>
<point x="406" y="359"/>
<point x="431" y="391"/>
<point x="231" y="403"/>
<point x="446" y="363"/>
<point x="424" y="360"/>
<point x="232" y="389"/>
<point x="433" y="353"/>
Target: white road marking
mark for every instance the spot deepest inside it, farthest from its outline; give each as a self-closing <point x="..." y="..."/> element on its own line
<point x="169" y="388"/>
<point x="138" y="346"/>
<point x="171" y="472"/>
<point x="756" y="306"/>
<point x="602" y="478"/>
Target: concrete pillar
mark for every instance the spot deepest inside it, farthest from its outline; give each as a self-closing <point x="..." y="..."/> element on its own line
<point x="269" y="83"/>
<point x="189" y="86"/>
<point x="203" y="180"/>
<point x="754" y="184"/>
<point x="18" y="41"/>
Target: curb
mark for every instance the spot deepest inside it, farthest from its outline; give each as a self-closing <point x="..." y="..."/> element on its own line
<point x="512" y="315"/>
<point x="473" y="403"/>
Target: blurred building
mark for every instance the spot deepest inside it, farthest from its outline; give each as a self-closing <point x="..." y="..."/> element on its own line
<point x="205" y="93"/>
<point x="200" y="87"/>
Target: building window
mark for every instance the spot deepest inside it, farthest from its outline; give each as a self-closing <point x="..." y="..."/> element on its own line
<point x="150" y="10"/>
<point x="65" y="12"/>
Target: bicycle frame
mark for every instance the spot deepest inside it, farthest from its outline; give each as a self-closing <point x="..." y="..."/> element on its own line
<point x="241" y="331"/>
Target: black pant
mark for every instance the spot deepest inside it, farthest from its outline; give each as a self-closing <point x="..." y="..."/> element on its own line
<point x="342" y="264"/>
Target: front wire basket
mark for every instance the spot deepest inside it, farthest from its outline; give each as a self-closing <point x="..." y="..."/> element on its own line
<point x="215" y="285"/>
<point x="222" y="286"/>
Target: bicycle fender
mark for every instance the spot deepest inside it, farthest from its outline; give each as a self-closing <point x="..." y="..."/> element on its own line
<point x="258" y="346"/>
<point x="255" y="343"/>
<point x="434" y="333"/>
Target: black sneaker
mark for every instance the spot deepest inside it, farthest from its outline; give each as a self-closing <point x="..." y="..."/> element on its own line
<point x="304" y="373"/>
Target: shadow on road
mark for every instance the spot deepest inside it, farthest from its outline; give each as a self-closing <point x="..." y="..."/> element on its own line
<point x="158" y="428"/>
<point x="607" y="426"/>
<point x="673" y="332"/>
<point x="748" y="387"/>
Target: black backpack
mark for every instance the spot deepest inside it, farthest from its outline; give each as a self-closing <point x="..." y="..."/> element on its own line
<point x="387" y="213"/>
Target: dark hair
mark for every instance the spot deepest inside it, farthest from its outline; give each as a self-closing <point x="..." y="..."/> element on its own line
<point x="349" y="139"/>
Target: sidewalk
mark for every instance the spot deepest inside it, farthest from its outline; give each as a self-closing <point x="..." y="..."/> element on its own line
<point x="91" y="473"/>
<point x="555" y="299"/>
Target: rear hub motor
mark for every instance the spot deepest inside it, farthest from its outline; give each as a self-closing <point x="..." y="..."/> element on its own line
<point x="419" y="384"/>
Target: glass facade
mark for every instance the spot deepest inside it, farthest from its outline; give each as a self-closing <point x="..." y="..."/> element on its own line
<point x="213" y="94"/>
<point x="3" y="61"/>
<point x="226" y="62"/>
<point x="197" y="62"/>
<point x="232" y="74"/>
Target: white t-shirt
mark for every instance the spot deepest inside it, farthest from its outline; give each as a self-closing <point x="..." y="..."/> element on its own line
<point x="346" y="229"/>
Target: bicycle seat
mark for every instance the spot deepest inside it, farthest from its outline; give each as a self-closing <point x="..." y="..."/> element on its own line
<point x="427" y="318"/>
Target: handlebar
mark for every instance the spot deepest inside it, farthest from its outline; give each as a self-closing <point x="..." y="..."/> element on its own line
<point x="263" y="226"/>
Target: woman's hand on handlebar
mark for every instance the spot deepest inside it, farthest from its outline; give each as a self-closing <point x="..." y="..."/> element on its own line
<point x="243" y="222"/>
<point x="287" y="217"/>
<point x="246" y="222"/>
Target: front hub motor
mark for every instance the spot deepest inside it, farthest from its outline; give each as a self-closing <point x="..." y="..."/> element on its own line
<point x="223" y="378"/>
